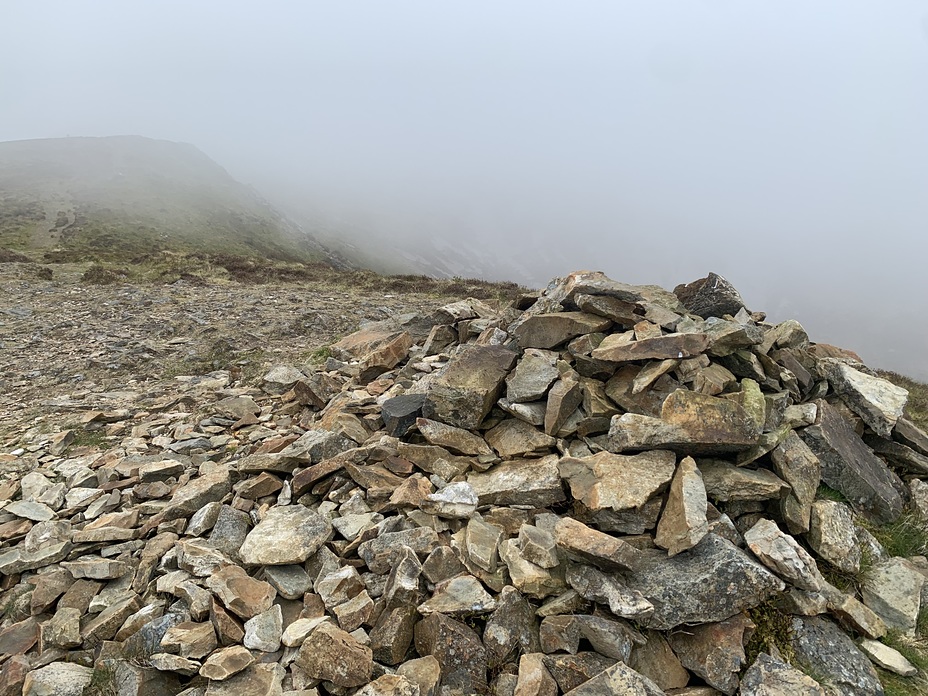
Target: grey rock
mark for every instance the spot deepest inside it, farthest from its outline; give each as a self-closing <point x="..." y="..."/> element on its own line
<point x="878" y="401"/>
<point x="618" y="482"/>
<point x="888" y="658"/>
<point x="850" y="467"/>
<point x="533" y="376"/>
<point x="460" y="596"/>
<point x="796" y="464"/>
<point x="263" y="631"/>
<point x="782" y="554"/>
<point x="683" y="522"/>
<point x="288" y="534"/>
<point x="821" y="648"/>
<point x="550" y="330"/>
<point x="527" y="482"/>
<point x="57" y="679"/>
<point x="623" y="600"/>
<point x="770" y="676"/>
<point x="832" y="535"/>
<point x="710" y="582"/>
<point x="617" y="680"/>
<point x="712" y="296"/>
<point x="400" y="413"/>
<point x="725" y="482"/>
<point x="892" y="589"/>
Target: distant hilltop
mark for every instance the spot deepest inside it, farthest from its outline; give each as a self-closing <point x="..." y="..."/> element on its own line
<point x="127" y="196"/>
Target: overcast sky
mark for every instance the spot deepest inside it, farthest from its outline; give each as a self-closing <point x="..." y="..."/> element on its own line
<point x="781" y="144"/>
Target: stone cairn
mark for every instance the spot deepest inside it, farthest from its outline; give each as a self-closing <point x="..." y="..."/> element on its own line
<point x="597" y="490"/>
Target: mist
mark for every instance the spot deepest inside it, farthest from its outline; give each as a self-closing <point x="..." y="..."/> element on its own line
<point x="782" y="145"/>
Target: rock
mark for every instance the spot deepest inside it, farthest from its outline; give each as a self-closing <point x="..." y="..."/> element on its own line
<point x="226" y="662"/>
<point x="527" y="577"/>
<point x="796" y="464"/>
<point x="389" y="685"/>
<point x="683" y="522"/>
<point x="315" y="446"/>
<point x="457" y="440"/>
<point x="381" y="552"/>
<point x="850" y="467"/>
<point x="255" y="680"/>
<point x="165" y="662"/>
<point x="213" y="486"/>
<point x="783" y="555"/>
<point x="424" y="672"/>
<point x="516" y="438"/>
<point x="401" y="412"/>
<point x="725" y="482"/>
<point x="537" y="546"/>
<point x="459" y="652"/>
<point x="617" y="482"/>
<point x="893" y="589"/>
<point x="466" y="389"/>
<point x="526" y="482"/>
<point x="534" y="677"/>
<point x="712" y="296"/>
<point x="586" y="545"/>
<point x="280" y="378"/>
<point x="551" y="330"/>
<point x="191" y="640"/>
<point x="616" y="347"/>
<point x="288" y="534"/>
<point x="879" y="402"/>
<point x="563" y="399"/>
<point x="377" y="351"/>
<point x="331" y="654"/>
<point x="511" y="629"/>
<point x="832" y="535"/>
<point x="37" y="512"/>
<point x="57" y="679"/>
<point x="533" y="376"/>
<point x="655" y="660"/>
<point x="393" y="633"/>
<point x="263" y="631"/>
<point x="460" y="596"/>
<point x="617" y="680"/>
<point x="715" y="651"/>
<point x="482" y="545"/>
<point x="711" y="582"/>
<point x="888" y="658"/>
<point x="821" y="648"/>
<point x="455" y="501"/>
<point x="570" y="671"/>
<point x="622" y="600"/>
<point x="769" y="676"/>
<point x="690" y="423"/>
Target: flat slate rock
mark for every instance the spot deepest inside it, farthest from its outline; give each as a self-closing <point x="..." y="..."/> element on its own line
<point x="710" y="582"/>
<point x="822" y="648"/>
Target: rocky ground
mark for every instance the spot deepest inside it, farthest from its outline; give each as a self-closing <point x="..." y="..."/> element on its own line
<point x="607" y="489"/>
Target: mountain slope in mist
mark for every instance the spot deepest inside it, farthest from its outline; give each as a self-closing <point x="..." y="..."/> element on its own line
<point x="123" y="196"/>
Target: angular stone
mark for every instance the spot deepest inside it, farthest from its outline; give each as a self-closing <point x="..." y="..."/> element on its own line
<point x="892" y="589"/>
<point x="617" y="482"/>
<point x="393" y="633"/>
<point x="527" y="577"/>
<point x="165" y="662"/>
<point x="401" y="412"/>
<point x="710" y="582"/>
<point x="315" y="446"/>
<point x="656" y="661"/>
<point x="241" y="593"/>
<point x="563" y="399"/>
<point x="455" y="501"/>
<point x="596" y="586"/>
<point x="210" y="487"/>
<point x="389" y="685"/>
<point x="516" y="438"/>
<point x="534" y="678"/>
<point x="255" y="680"/>
<point x="851" y="612"/>
<point x="571" y="671"/>
<point x="550" y="330"/>
<point x="482" y="544"/>
<point x="424" y="672"/>
<point x="850" y="467"/>
<point x="460" y="596"/>
<point x="17" y="560"/>
<point x="888" y="658"/>
<point x="339" y="586"/>
<point x="511" y="629"/>
<point x="188" y="639"/>
<point x="533" y="376"/>
<point x="587" y="545"/>
<point x="769" y="676"/>
<point x="526" y="482"/>
<point x="381" y="552"/>
<point x="725" y="482"/>
<point x="783" y="555"/>
<point x="683" y="522"/>
<point x="57" y="679"/>
<point x="288" y="534"/>
<point x="690" y="423"/>
<point x="280" y="378"/>
<point x="823" y="649"/>
<point x="668" y="347"/>
<point x="537" y="546"/>
<point x="466" y="389"/>
<point x="796" y="464"/>
<point x="832" y="535"/>
<point x="18" y="638"/>
<point x="715" y="651"/>
<point x="456" y="440"/>
<point x="331" y="654"/>
<point x="459" y="652"/>
<point x="63" y="630"/>
<point x="294" y="635"/>
<point x="30" y="510"/>
<point x="878" y="401"/>
<point x="96" y="568"/>
<point x="712" y="296"/>
<point x="263" y="631"/>
<point x="376" y="350"/>
<point x="355" y="612"/>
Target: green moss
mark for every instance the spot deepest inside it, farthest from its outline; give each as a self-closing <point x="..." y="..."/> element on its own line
<point x="102" y="682"/>
<point x="827" y="493"/>
<point x="773" y="629"/>
<point x="87" y="438"/>
<point x="319" y="355"/>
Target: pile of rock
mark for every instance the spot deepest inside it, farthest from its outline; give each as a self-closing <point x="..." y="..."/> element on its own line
<point x="590" y="492"/>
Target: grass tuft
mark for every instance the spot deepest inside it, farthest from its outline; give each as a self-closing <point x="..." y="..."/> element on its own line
<point x="907" y="536"/>
<point x="916" y="409"/>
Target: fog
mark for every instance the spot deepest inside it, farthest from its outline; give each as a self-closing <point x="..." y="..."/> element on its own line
<point x="780" y="144"/>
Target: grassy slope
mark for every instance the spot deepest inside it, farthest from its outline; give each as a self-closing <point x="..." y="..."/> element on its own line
<point x="113" y="198"/>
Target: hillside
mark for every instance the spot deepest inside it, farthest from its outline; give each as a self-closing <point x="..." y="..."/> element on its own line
<point x="126" y="196"/>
